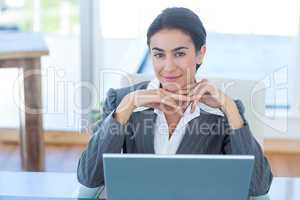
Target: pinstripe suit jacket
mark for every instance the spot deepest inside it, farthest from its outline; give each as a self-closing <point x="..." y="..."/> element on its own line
<point x="109" y="136"/>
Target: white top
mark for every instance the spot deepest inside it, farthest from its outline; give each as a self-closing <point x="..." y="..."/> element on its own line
<point x="162" y="143"/>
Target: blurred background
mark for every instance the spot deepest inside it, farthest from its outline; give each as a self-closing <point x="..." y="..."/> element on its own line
<point x="93" y="43"/>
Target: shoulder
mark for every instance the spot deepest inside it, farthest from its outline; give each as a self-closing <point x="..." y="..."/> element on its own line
<point x="239" y="104"/>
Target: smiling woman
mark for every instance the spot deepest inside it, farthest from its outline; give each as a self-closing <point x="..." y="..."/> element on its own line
<point x="174" y="58"/>
<point x="185" y="115"/>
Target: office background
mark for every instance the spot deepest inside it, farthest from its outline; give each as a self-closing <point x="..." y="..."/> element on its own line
<point x="93" y="43"/>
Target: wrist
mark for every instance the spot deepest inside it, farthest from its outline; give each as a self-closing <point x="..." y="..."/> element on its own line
<point x="228" y="105"/>
<point x="130" y="101"/>
<point x="232" y="113"/>
<point x="125" y="109"/>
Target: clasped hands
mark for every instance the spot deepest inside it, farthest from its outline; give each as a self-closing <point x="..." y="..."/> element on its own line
<point x="176" y="102"/>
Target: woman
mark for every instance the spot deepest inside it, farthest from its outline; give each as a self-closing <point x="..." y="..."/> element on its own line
<point x="174" y="113"/>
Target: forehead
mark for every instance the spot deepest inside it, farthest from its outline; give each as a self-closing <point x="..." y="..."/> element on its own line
<point x="169" y="39"/>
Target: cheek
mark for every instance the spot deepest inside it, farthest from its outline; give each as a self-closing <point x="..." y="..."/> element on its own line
<point x="157" y="66"/>
<point x="187" y="65"/>
<point x="188" y="69"/>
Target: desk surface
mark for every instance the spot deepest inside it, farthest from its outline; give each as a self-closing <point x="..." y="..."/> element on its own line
<point x="38" y="198"/>
<point x="22" y="45"/>
<point x="55" y="186"/>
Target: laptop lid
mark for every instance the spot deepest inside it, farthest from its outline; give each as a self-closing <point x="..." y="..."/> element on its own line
<point x="177" y="177"/>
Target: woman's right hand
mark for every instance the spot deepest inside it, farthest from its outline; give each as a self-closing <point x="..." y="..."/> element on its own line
<point x="156" y="98"/>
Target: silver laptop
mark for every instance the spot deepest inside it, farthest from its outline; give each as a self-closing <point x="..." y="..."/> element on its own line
<point x="177" y="177"/>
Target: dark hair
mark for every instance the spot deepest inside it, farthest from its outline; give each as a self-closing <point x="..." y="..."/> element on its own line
<point x="183" y="19"/>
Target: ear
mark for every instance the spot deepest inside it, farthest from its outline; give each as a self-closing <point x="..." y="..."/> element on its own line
<point x="200" y="54"/>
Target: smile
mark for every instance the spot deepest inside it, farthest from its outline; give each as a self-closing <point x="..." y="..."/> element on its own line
<point x="170" y="78"/>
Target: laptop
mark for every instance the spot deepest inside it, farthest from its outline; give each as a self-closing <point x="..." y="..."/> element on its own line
<point x="177" y="177"/>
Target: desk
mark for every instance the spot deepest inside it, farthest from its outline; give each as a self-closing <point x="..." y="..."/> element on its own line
<point x="64" y="186"/>
<point x="39" y="198"/>
<point x="24" y="51"/>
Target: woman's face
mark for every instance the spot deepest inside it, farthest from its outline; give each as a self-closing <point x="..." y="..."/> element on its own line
<point x="174" y="58"/>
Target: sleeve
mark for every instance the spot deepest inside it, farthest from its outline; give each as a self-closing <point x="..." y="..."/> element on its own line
<point x="108" y="137"/>
<point x="242" y="142"/>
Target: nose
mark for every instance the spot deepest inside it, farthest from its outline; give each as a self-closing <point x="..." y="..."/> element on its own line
<point x="169" y="64"/>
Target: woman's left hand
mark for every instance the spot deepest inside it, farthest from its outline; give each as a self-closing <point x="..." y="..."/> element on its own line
<point x="207" y="93"/>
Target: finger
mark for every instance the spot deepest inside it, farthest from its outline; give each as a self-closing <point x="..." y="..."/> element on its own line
<point x="192" y="85"/>
<point x="171" y="103"/>
<point x="170" y="109"/>
<point x="153" y="105"/>
<point x="194" y="106"/>
<point x="203" y="80"/>
<point x="191" y="111"/>
<point x="183" y="92"/>
<point x="198" y="87"/>
<point x="196" y="90"/>
<point x="175" y="96"/>
<point x="153" y="99"/>
<point x="177" y="108"/>
<point x="200" y="91"/>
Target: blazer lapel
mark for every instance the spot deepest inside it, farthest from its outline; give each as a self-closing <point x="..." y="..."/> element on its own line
<point x="146" y="118"/>
<point x="188" y="138"/>
<point x="192" y="136"/>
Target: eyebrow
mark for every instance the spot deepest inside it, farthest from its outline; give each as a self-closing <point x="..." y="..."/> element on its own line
<point x="176" y="49"/>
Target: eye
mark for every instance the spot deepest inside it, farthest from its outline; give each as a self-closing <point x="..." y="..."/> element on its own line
<point x="179" y="54"/>
<point x="158" y="55"/>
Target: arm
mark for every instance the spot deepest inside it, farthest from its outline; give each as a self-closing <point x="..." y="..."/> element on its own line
<point x="109" y="134"/>
<point x="108" y="137"/>
<point x="241" y="141"/>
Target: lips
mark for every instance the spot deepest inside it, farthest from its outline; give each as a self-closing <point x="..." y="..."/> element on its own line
<point x="170" y="78"/>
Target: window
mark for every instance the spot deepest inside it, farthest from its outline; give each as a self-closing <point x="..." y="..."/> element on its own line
<point x="47" y="16"/>
<point x="58" y="21"/>
<point x="246" y="39"/>
<point x="131" y="18"/>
